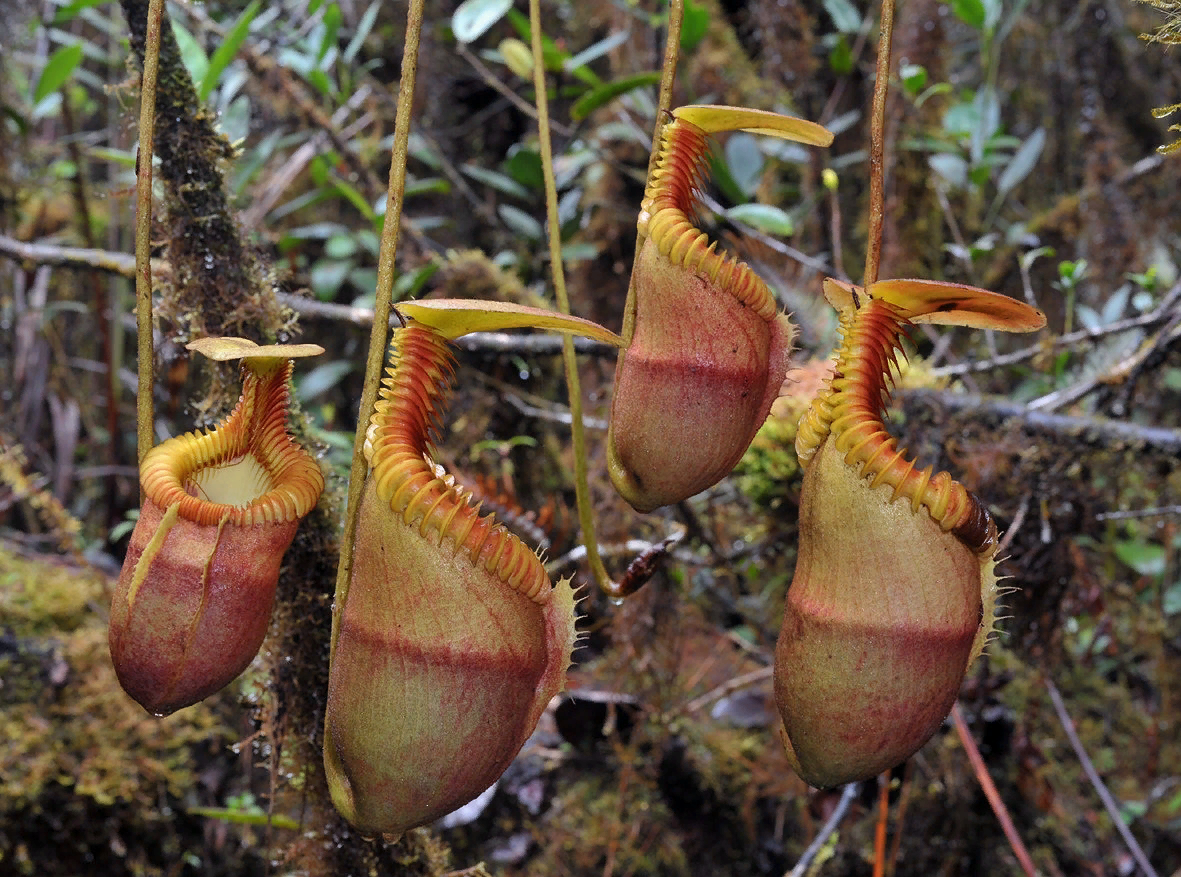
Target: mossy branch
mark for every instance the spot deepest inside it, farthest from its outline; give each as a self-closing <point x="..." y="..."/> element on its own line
<point x="218" y="286"/>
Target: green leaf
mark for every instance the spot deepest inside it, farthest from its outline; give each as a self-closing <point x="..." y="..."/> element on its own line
<point x="354" y="197"/>
<point x="608" y="91"/>
<point x="1171" y="599"/>
<point x="745" y="160"/>
<point x="57" y="70"/>
<point x="952" y="168"/>
<point x="840" y="57"/>
<point x="992" y="13"/>
<point x="226" y="51"/>
<point x="1022" y="162"/>
<point x="520" y="222"/>
<point x="473" y="18"/>
<point x="914" y="78"/>
<point x="67" y="13"/>
<point x="596" y="50"/>
<point x="321" y="379"/>
<point x="970" y="12"/>
<point x="524" y="166"/>
<point x="844" y="15"/>
<point x="764" y="217"/>
<point x="364" y="26"/>
<point x="327" y="276"/>
<point x="332" y="18"/>
<point x="321" y="82"/>
<point x="497" y="181"/>
<point x="693" y="26"/>
<point x="340" y="246"/>
<point x="191" y="53"/>
<point x="1146" y="558"/>
<point x="427" y="186"/>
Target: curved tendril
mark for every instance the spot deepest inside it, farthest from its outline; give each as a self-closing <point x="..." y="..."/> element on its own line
<point x="413" y="395"/>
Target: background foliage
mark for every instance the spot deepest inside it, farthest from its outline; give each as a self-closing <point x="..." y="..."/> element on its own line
<point x="1023" y="157"/>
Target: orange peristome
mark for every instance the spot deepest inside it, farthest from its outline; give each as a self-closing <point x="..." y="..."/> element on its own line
<point x="895" y="588"/>
<point x="707" y="346"/>
<point x="451" y="640"/>
<point x="193" y="601"/>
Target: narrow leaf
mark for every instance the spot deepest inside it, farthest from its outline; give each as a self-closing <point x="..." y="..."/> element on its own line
<point x="844" y="15"/>
<point x="597" y="50"/>
<point x="57" y="70"/>
<point x="970" y="12"/>
<point x="474" y="17"/>
<point x="1022" y="162"/>
<point x="498" y="181"/>
<point x="364" y="26"/>
<point x="67" y="13"/>
<point x="520" y="222"/>
<point x="608" y="91"/>
<point x="764" y="217"/>
<point x="191" y="53"/>
<point x="226" y="51"/>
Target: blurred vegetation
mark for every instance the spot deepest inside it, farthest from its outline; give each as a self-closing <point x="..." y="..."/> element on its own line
<point x="1023" y="157"/>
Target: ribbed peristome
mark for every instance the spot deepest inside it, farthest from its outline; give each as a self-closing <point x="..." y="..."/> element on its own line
<point x="287" y="480"/>
<point x="850" y="411"/>
<point x="413" y="395"/>
<point x="666" y="217"/>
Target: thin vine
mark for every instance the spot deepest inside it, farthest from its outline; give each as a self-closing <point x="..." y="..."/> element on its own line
<point x="586" y="518"/>
<point x="877" y="146"/>
<point x="145" y="411"/>
<point x="379" y="335"/>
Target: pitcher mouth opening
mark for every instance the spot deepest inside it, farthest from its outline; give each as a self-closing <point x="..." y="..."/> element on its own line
<point x="237" y="482"/>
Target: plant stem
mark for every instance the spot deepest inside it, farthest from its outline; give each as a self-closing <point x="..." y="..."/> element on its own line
<point x="379" y="335"/>
<point x="586" y="514"/>
<point x="1109" y="803"/>
<point x="144" y="411"/>
<point x="668" y="75"/>
<point x="877" y="146"/>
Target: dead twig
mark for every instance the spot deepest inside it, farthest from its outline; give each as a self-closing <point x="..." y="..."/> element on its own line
<point x="1087" y="429"/>
<point x="826" y="831"/>
<point x="1125" y="514"/>
<point x="990" y="792"/>
<point x="746" y="680"/>
<point x="1109" y="803"/>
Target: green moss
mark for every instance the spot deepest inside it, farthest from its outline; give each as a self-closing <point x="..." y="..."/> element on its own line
<point x="78" y="753"/>
<point x="770" y="469"/>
